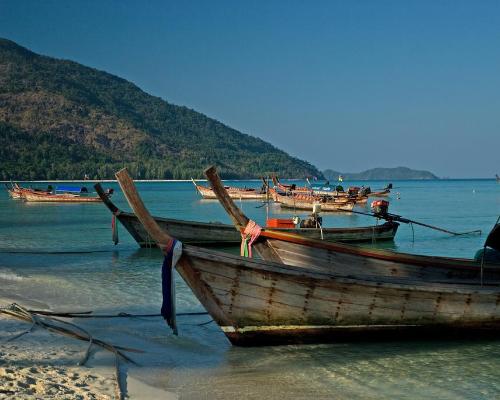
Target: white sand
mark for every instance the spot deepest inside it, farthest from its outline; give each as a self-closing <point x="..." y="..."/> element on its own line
<point x="44" y="365"/>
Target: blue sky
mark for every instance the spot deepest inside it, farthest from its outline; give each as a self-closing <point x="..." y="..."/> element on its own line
<point x="347" y="85"/>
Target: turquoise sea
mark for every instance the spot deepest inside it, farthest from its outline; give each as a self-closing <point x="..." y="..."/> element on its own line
<point x="61" y="256"/>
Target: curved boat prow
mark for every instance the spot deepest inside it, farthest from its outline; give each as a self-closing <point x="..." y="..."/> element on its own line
<point x="105" y="199"/>
<point x="162" y="238"/>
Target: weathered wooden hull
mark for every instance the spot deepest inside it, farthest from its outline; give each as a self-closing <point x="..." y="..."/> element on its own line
<point x="235" y="193"/>
<point x="348" y="260"/>
<point x="213" y="233"/>
<point x="58" y="198"/>
<point x="192" y="232"/>
<point x="257" y="302"/>
<point x="346" y="235"/>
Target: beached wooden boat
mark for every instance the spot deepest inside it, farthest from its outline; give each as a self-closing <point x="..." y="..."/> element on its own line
<point x="234" y="192"/>
<point x="216" y="233"/>
<point x="307" y="201"/>
<point x="59" y="198"/>
<point x="260" y="302"/>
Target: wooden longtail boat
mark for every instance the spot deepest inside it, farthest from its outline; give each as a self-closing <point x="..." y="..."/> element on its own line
<point x="215" y="233"/>
<point x="349" y="260"/>
<point x="306" y="202"/>
<point x="59" y="198"/>
<point x="260" y="302"/>
<point x="234" y="192"/>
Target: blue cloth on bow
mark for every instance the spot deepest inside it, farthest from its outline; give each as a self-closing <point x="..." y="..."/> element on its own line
<point x="168" y="289"/>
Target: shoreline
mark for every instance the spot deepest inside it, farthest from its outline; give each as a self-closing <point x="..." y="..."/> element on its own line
<point x="241" y="180"/>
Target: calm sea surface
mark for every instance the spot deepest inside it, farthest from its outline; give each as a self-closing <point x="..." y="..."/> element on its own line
<point x="61" y="256"/>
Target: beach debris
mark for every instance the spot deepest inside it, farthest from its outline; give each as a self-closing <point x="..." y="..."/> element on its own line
<point x="57" y="325"/>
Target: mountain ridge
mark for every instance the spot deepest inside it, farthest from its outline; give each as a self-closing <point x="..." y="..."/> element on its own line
<point x="396" y="173"/>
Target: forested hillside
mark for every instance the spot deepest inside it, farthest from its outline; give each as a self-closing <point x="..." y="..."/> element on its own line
<point x="62" y="120"/>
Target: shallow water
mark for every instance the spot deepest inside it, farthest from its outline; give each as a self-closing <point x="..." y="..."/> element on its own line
<point x="61" y="256"/>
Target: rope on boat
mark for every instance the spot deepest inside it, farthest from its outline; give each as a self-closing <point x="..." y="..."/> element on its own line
<point x="250" y="234"/>
<point x="56" y="252"/>
<point x="398" y="218"/>
<point x="88" y="314"/>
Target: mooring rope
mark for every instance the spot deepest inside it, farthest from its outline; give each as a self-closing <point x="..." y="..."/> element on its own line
<point x="55" y="252"/>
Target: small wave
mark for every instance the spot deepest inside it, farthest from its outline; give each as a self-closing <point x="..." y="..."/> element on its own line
<point x="10" y="276"/>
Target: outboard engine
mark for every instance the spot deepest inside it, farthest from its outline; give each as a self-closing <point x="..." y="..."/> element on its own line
<point x="380" y="207"/>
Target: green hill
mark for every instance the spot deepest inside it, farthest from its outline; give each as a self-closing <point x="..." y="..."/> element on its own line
<point x="398" y="173"/>
<point x="61" y="120"/>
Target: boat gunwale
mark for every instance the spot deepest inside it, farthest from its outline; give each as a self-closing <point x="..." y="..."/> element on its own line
<point x="276" y="268"/>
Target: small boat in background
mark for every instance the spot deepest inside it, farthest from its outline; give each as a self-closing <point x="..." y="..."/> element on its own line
<point x="497" y="178"/>
<point x="234" y="192"/>
<point x="309" y="201"/>
<point x="59" y="198"/>
<point x="288" y="188"/>
<point x="63" y="194"/>
<point x="381" y="193"/>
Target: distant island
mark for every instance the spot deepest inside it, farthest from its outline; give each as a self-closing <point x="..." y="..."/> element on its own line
<point x="62" y="120"/>
<point x="398" y="173"/>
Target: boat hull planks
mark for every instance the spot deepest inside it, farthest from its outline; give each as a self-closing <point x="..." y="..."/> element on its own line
<point x="259" y="303"/>
<point x="59" y="198"/>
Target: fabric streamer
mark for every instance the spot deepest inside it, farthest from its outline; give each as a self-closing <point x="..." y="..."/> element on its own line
<point x="248" y="237"/>
<point x="172" y="256"/>
<point x="114" y="230"/>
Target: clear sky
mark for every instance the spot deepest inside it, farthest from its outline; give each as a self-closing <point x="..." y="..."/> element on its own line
<point x="347" y="85"/>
